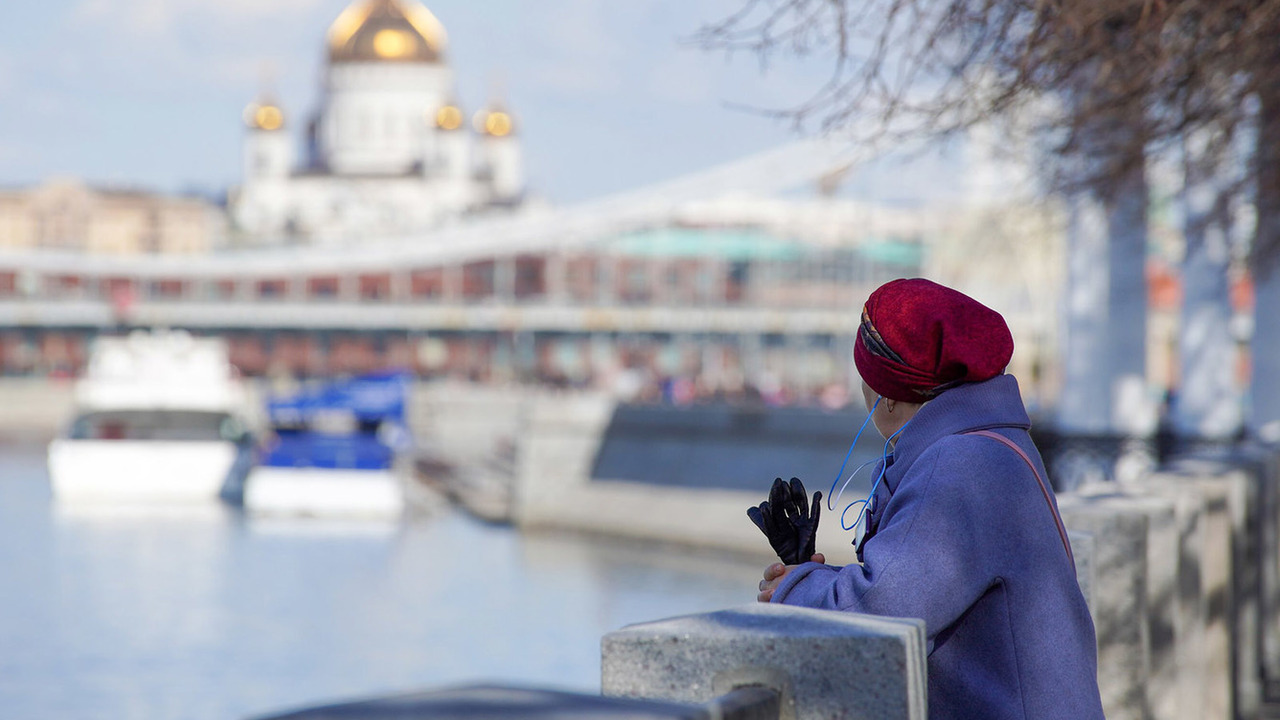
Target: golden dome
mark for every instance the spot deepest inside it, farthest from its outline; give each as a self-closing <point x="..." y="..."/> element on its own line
<point x="264" y="116"/>
<point x="386" y="31"/>
<point x="495" y="122"/>
<point x="449" y="117"/>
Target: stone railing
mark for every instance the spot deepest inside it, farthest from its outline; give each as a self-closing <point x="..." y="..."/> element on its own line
<point x="1184" y="586"/>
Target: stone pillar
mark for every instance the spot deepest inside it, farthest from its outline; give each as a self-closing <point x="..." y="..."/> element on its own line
<point x="1189" y="649"/>
<point x="1229" y="616"/>
<point x="1119" y="606"/>
<point x="824" y="664"/>
<point x="1263" y="564"/>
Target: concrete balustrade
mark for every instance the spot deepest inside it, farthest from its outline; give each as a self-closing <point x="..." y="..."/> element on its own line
<point x="824" y="664"/>
<point x="1237" y="492"/>
<point x="1185" y="594"/>
<point x="1178" y="634"/>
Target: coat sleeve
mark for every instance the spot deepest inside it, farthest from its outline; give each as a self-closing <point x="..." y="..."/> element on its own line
<point x="925" y="561"/>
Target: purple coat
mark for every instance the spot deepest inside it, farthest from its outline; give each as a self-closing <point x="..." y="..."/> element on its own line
<point x="961" y="536"/>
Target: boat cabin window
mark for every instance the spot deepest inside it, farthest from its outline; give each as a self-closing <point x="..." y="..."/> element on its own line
<point x="170" y="425"/>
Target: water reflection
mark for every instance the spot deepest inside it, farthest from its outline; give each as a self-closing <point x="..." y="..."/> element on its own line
<point x="207" y="614"/>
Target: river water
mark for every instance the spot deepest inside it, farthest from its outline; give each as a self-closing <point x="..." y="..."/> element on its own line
<point x="210" y="615"/>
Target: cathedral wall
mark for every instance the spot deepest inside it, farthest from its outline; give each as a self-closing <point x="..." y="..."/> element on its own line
<point x="377" y="116"/>
<point x="334" y="209"/>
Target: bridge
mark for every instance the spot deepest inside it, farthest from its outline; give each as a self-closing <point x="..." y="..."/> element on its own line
<point x="715" y="263"/>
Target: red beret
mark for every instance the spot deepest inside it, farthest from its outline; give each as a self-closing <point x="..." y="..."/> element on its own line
<point x="919" y="338"/>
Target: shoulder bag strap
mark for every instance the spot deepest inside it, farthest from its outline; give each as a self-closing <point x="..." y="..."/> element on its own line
<point x="1044" y="487"/>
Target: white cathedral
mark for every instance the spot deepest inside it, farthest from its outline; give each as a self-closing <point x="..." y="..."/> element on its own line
<point x="388" y="153"/>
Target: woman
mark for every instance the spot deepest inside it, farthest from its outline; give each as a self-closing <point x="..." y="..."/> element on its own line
<point x="961" y="531"/>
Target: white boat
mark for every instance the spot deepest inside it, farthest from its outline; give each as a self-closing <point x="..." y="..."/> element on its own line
<point x="162" y="418"/>
<point x="325" y="492"/>
<point x="336" y="451"/>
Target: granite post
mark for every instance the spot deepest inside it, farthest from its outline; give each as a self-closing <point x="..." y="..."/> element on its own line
<point x="1120" y="606"/>
<point x="823" y="663"/>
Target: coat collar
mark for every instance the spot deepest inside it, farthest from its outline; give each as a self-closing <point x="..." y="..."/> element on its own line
<point x="974" y="406"/>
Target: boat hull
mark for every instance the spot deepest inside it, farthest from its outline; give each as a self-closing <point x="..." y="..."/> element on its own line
<point x="324" y="492"/>
<point x="140" y="472"/>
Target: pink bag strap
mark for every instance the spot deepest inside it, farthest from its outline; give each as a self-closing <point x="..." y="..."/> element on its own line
<point x="1044" y="487"/>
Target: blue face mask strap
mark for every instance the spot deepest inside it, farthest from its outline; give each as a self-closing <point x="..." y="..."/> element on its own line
<point x="884" y="458"/>
<point x="852" y="475"/>
<point x="832" y="497"/>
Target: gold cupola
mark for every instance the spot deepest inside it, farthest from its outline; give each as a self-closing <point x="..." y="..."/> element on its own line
<point x="264" y="115"/>
<point x="494" y="121"/>
<point x="449" y="117"/>
<point x="386" y="31"/>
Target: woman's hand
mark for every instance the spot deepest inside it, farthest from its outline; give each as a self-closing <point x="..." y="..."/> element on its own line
<point x="774" y="574"/>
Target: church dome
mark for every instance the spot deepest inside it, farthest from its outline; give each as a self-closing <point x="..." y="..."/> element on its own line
<point x="449" y="117"/>
<point x="386" y="31"/>
<point x="264" y="115"/>
<point x="494" y="121"/>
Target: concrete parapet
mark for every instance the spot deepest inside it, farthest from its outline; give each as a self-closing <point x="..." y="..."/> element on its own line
<point x="1264" y="463"/>
<point x="1207" y="607"/>
<point x="1120" y="608"/>
<point x="825" y="664"/>
<point x="1235" y="557"/>
<point x="558" y="446"/>
<point x="1178" y="638"/>
<point x="1186" y="594"/>
<point x="465" y="423"/>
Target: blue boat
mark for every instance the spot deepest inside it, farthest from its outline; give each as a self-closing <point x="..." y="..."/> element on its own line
<point x="336" y="449"/>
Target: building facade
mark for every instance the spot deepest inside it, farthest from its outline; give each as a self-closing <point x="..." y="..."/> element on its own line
<point x="390" y="150"/>
<point x="68" y="215"/>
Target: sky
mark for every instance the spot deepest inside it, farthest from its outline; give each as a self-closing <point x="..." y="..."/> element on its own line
<point x="609" y="95"/>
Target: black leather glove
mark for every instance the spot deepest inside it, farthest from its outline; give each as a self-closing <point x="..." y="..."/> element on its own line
<point x="787" y="520"/>
<point x="805" y="519"/>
